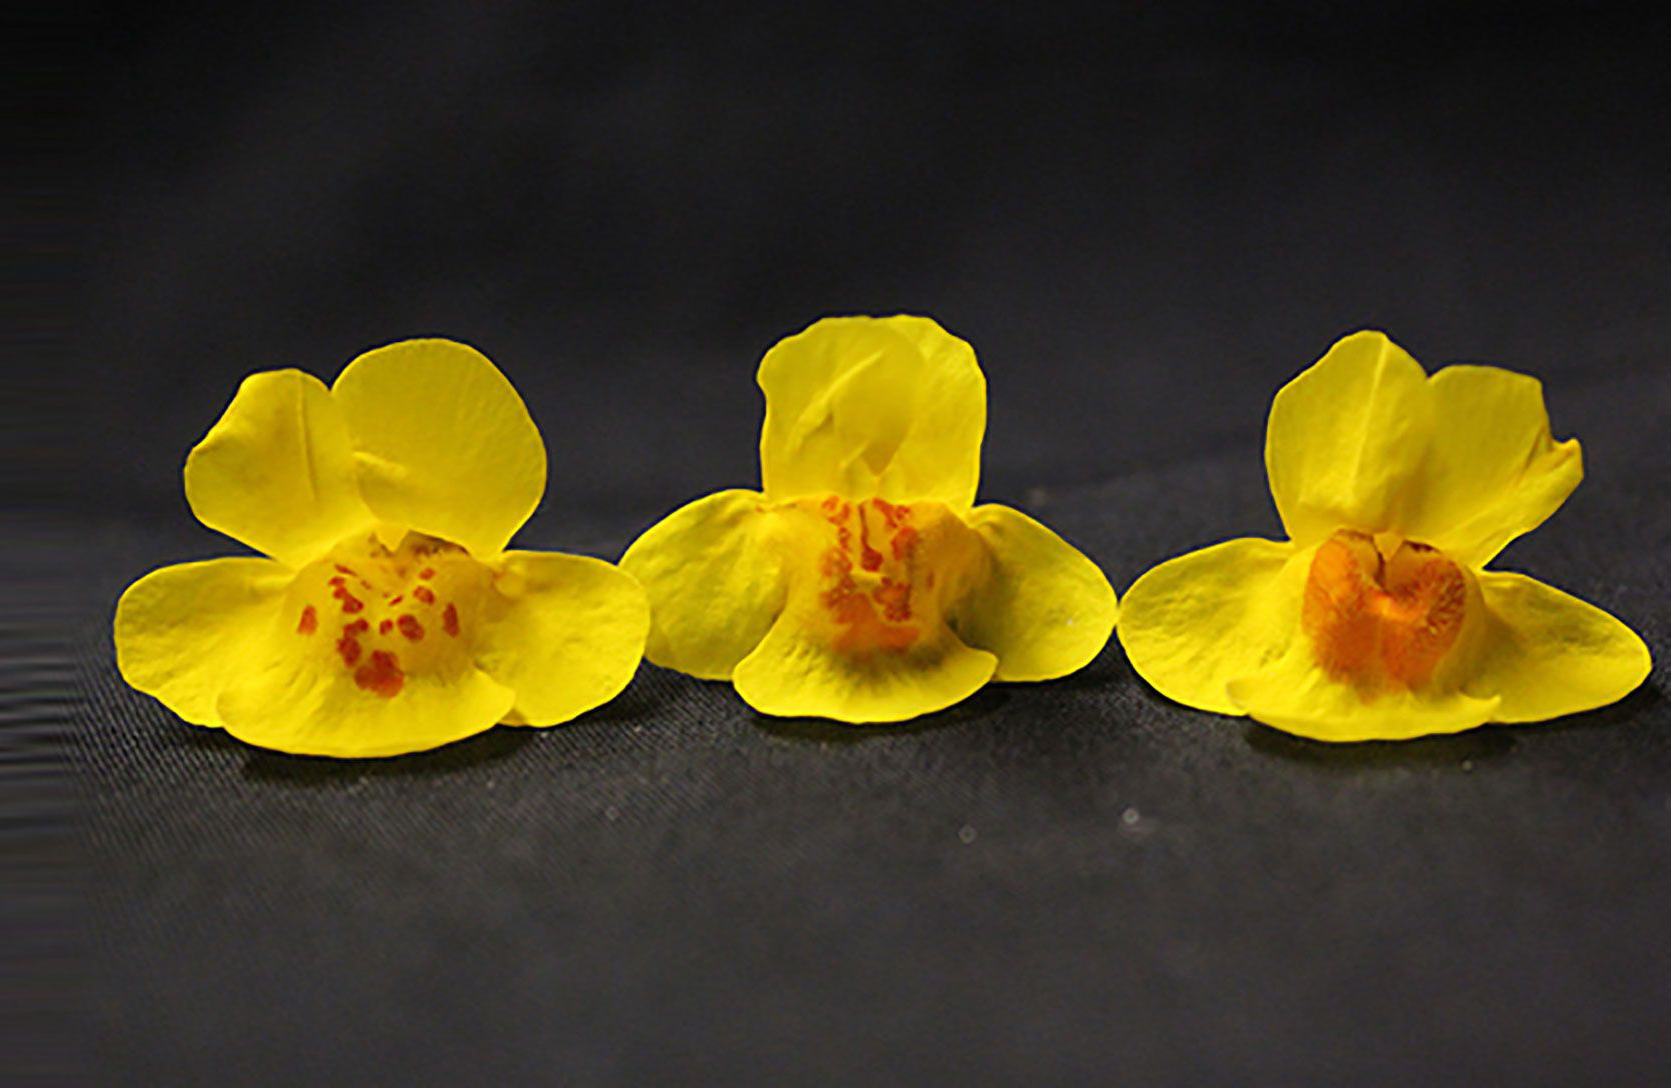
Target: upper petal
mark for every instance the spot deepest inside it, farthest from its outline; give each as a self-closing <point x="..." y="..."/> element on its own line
<point x="276" y="471"/>
<point x="566" y="633"/>
<point x="1493" y="470"/>
<point x="1042" y="607"/>
<point x="1194" y="624"/>
<point x="862" y="406"/>
<point x="180" y="631"/>
<point x="442" y="442"/>
<point x="1548" y="653"/>
<point x="1346" y="438"/>
<point x="714" y="580"/>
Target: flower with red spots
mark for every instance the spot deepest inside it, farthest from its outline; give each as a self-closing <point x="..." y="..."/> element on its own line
<point x="1377" y="619"/>
<point x="861" y="583"/>
<point x="389" y="618"/>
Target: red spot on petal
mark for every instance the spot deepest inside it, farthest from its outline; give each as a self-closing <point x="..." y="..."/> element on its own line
<point x="410" y="627"/>
<point x="358" y="627"/>
<point x="348" y="649"/>
<point x="396" y="600"/>
<point x="449" y="620"/>
<point x="904" y="542"/>
<point x="350" y="603"/>
<point x="309" y="623"/>
<point x="427" y="573"/>
<point x="343" y="569"/>
<point x="385" y="627"/>
<point x="382" y="675"/>
<point x="895" y="599"/>
<point x="424" y="594"/>
<point x="869" y="557"/>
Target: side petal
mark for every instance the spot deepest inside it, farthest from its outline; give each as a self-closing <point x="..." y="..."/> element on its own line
<point x="181" y="631"/>
<point x="1043" y="608"/>
<point x="1547" y="653"/>
<point x="1193" y="624"/>
<point x="277" y="470"/>
<point x="1297" y="697"/>
<point x="292" y="695"/>
<point x="1493" y="469"/>
<point x="567" y="636"/>
<point x="796" y="673"/>
<point x="1347" y="437"/>
<point x="714" y="582"/>
<point x="864" y="406"/>
<point x="442" y="442"/>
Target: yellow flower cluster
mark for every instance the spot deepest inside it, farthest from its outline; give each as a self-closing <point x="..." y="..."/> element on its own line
<point x="860" y="582"/>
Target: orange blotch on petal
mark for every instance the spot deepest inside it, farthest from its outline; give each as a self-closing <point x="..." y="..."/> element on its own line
<point x="1378" y="621"/>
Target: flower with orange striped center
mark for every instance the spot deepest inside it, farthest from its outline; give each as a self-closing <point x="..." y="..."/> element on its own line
<point x="1377" y="619"/>
<point x="861" y="583"/>
<point x="390" y="617"/>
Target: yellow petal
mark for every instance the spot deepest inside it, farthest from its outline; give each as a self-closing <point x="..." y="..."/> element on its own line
<point x="1043" y="608"/>
<point x="1193" y="624"/>
<point x="1383" y="646"/>
<point x="1548" y="653"/>
<point x="289" y="697"/>
<point x="861" y="407"/>
<point x="862" y="635"/>
<point x="442" y="442"/>
<point x="1347" y="437"/>
<point x="566" y="635"/>
<point x="277" y="472"/>
<point x="181" y="630"/>
<point x="1297" y="697"/>
<point x="1493" y="471"/>
<point x="796" y="673"/>
<point x="289" y="707"/>
<point x="714" y="582"/>
<point x="370" y="653"/>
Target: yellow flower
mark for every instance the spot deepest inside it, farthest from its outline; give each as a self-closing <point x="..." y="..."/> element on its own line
<point x="860" y="583"/>
<point x="1377" y="619"/>
<point x="390" y="618"/>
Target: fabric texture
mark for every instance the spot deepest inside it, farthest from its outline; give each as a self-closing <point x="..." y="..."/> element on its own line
<point x="1071" y="877"/>
<point x="1144" y="219"/>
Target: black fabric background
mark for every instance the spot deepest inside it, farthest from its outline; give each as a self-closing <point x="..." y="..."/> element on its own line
<point x="1145" y="220"/>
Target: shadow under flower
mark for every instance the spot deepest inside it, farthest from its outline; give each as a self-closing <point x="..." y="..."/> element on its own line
<point x="983" y="703"/>
<point x="497" y="743"/>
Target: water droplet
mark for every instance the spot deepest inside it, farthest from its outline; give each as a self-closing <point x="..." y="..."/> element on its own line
<point x="966" y="834"/>
<point x="1467" y="765"/>
<point x="1130" y="816"/>
<point x="611" y="813"/>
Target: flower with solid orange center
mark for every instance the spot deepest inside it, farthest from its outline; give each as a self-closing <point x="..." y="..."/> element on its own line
<point x="861" y="583"/>
<point x="1378" y="619"/>
<point x="390" y="617"/>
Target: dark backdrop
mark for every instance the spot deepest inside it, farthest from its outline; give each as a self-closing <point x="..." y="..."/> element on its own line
<point x="1145" y="218"/>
